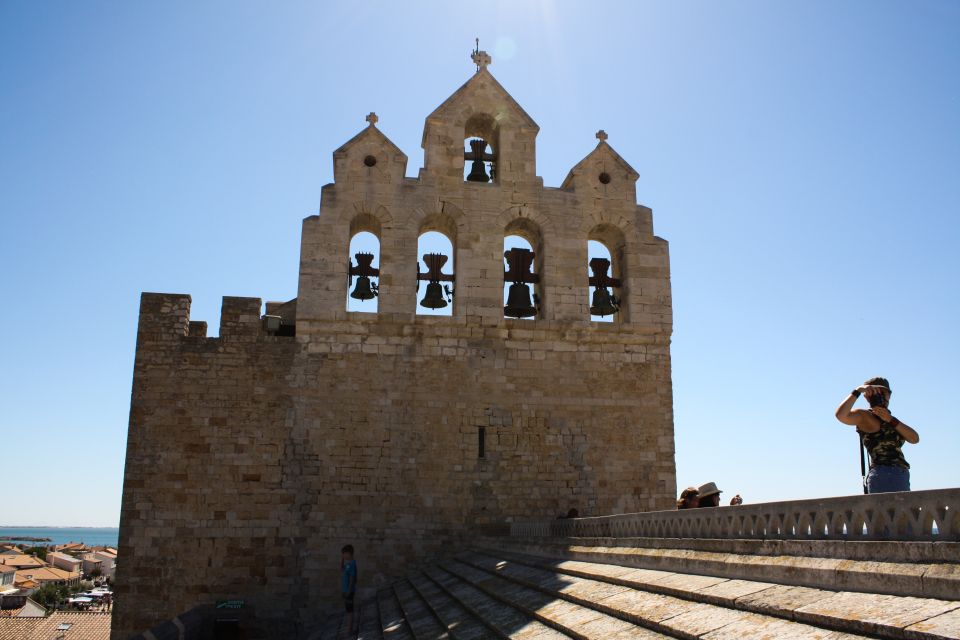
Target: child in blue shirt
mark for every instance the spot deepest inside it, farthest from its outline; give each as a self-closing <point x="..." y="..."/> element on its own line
<point x="348" y="582"/>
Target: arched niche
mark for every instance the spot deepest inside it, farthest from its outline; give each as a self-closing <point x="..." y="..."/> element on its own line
<point x="524" y="233"/>
<point x="608" y="242"/>
<point x="433" y="241"/>
<point x="484" y="127"/>
<point x="363" y="288"/>
<point x="365" y="222"/>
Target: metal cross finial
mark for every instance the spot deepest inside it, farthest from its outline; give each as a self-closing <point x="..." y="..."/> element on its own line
<point x="602" y="135"/>
<point x="372" y="118"/>
<point x="481" y="59"/>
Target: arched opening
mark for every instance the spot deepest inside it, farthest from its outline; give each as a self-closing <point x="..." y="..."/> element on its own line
<point x="604" y="299"/>
<point x="363" y="287"/>
<point x="521" y="298"/>
<point x="481" y="144"/>
<point x="435" y="274"/>
<point x="606" y="253"/>
<point x="523" y="290"/>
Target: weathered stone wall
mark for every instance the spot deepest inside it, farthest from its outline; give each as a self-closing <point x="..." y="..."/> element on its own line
<point x="253" y="458"/>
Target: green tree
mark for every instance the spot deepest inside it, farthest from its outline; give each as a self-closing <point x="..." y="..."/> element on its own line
<point x="40" y="552"/>
<point x="47" y="595"/>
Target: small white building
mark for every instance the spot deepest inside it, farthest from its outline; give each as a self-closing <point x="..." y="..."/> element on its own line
<point x="108" y="562"/>
<point x="63" y="561"/>
<point x="92" y="565"/>
<point x="7" y="576"/>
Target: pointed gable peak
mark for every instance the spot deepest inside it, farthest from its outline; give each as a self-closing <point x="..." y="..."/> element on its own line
<point x="604" y="158"/>
<point x="369" y="134"/>
<point x="478" y="94"/>
<point x="369" y="155"/>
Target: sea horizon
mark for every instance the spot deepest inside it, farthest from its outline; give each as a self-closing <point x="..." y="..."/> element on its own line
<point x="55" y="526"/>
<point x="89" y="535"/>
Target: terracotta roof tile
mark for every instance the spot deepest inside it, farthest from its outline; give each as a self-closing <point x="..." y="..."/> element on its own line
<point x="83" y="626"/>
<point x="47" y="574"/>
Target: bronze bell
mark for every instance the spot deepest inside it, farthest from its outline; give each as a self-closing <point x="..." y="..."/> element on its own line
<point x="434" y="297"/>
<point x="604" y="304"/>
<point x="518" y="302"/>
<point x="363" y="290"/>
<point x="478" y="170"/>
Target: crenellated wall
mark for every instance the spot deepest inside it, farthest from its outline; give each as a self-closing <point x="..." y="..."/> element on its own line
<point x="254" y="456"/>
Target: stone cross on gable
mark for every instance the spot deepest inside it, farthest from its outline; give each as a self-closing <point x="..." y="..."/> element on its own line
<point x="482" y="59"/>
<point x="602" y="135"/>
<point x="372" y="118"/>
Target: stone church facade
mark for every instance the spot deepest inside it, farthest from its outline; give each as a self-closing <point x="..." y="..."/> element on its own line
<point x="253" y="456"/>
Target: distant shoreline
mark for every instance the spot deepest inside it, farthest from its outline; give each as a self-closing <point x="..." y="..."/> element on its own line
<point x="51" y="536"/>
<point x="43" y="526"/>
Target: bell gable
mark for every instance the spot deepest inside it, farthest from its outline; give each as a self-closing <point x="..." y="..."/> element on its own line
<point x="480" y="109"/>
<point x="369" y="156"/>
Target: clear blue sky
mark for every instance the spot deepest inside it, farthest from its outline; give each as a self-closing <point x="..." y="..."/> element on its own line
<point x="802" y="158"/>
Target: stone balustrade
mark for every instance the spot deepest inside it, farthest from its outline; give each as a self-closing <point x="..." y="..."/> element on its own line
<point x="908" y="516"/>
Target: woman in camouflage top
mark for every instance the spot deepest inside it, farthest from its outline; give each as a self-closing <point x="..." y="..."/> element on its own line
<point x="883" y="435"/>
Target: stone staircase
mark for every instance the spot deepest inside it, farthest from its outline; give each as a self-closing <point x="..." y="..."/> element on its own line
<point x="540" y="589"/>
<point x="875" y="566"/>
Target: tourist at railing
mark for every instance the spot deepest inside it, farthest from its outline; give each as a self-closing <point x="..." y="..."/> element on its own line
<point x="736" y="501"/>
<point x="689" y="499"/>
<point x="709" y="495"/>
<point x="882" y="434"/>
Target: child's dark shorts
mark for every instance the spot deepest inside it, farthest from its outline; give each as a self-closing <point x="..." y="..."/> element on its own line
<point x="348" y="602"/>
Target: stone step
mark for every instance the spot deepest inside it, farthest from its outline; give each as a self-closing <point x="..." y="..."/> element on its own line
<point x="505" y="621"/>
<point x="328" y="630"/>
<point x="568" y="618"/>
<point x="881" y="615"/>
<point x="419" y="617"/>
<point x="335" y="628"/>
<point x="461" y="624"/>
<point x="752" y="560"/>
<point x="392" y="623"/>
<point x="668" y="615"/>
<point x="369" y="626"/>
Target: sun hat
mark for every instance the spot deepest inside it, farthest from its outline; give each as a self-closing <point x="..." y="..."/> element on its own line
<point x="708" y="489"/>
<point x="879" y="382"/>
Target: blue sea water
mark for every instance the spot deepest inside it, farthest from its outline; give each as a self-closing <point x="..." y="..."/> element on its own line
<point x="91" y="536"/>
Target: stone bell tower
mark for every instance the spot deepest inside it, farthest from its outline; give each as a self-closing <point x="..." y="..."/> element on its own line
<point x="254" y="455"/>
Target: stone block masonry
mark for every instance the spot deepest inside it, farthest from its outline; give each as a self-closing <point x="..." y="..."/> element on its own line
<point x="253" y="456"/>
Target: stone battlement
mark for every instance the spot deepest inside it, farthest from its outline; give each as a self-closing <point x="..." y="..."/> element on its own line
<point x="165" y="316"/>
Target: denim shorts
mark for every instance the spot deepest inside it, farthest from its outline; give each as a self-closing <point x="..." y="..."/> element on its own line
<point x="887" y="479"/>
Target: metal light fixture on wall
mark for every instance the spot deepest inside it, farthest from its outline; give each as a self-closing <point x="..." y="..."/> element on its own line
<point x="519" y="304"/>
<point x="437" y="296"/>
<point x="603" y="303"/>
